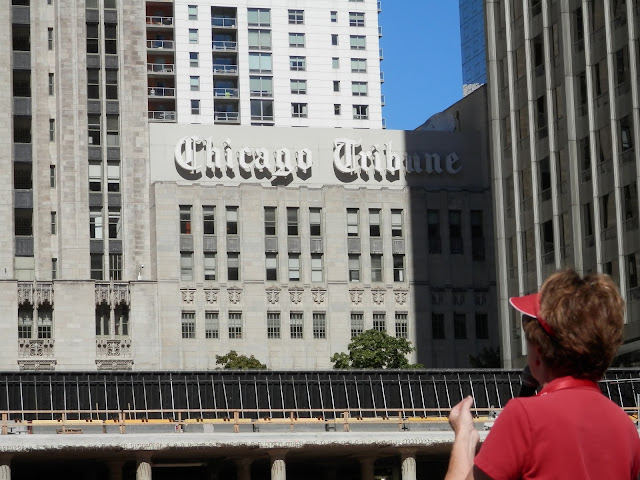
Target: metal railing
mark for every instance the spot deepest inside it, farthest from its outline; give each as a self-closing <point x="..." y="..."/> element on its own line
<point x="228" y="69"/>
<point x="223" y="22"/>
<point x="261" y="93"/>
<point x="162" y="116"/>
<point x="162" y="21"/>
<point x="224" y="45"/>
<point x="164" y="44"/>
<point x="161" y="92"/>
<point x="225" y="92"/>
<point x="160" y="67"/>
<point x="226" y="116"/>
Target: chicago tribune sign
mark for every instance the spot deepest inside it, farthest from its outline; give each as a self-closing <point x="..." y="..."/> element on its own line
<point x="201" y="156"/>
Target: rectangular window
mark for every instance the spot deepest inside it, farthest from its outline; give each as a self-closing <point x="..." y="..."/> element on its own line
<point x="194" y="83"/>
<point x="482" y="326"/>
<point x="398" y="268"/>
<point x="437" y="326"/>
<point x="396" y="223"/>
<point x="110" y="39"/>
<point x="459" y="326"/>
<point x="333" y="16"/>
<point x="51" y="84"/>
<point x="296" y="326"/>
<point x="261" y="86"/>
<point x="25" y="320"/>
<point x="194" y="59"/>
<point x="315" y="222"/>
<point x="334" y="39"/>
<point x="113" y="177"/>
<point x="188" y="324"/>
<point x="259" y="17"/>
<point x="115" y="266"/>
<point x="54" y="268"/>
<point x="455" y="232"/>
<point x="299" y="87"/>
<point x="50" y="38"/>
<point x="292" y="221"/>
<point x="186" y="266"/>
<point x="358" y="65"/>
<point x="357" y="324"/>
<point x="433" y="232"/>
<point x="93" y="83"/>
<point x="319" y="325"/>
<point x="209" y="266"/>
<point x="336" y="109"/>
<point x="95" y="223"/>
<point x="316" y="267"/>
<point x="356" y="19"/>
<point x="260" y="62"/>
<point x="336" y="85"/>
<point x="45" y="322"/>
<point x="260" y="39"/>
<point x="52" y="130"/>
<point x="93" y="38"/>
<point x="626" y="133"/>
<point x="53" y="223"/>
<point x="335" y="63"/>
<point x="352" y="222"/>
<point x="294" y="267"/>
<point x="233" y="266"/>
<point x="185" y="219"/>
<point x="211" y="325"/>
<point x="358" y="42"/>
<point x="114" y="223"/>
<point x="96" y="266"/>
<point x="296" y="40"/>
<point x="93" y="127"/>
<point x="195" y="107"/>
<point x="299" y="110"/>
<point x="232" y="220"/>
<point x="354" y="268"/>
<point x="193" y="35"/>
<point x="270" y="221"/>
<point x="208" y="220"/>
<point x="271" y="263"/>
<point x="374" y="222"/>
<point x="52" y="176"/>
<point x="193" y="12"/>
<point x="402" y="325"/>
<point x="477" y="235"/>
<point x="376" y="268"/>
<point x="113" y="130"/>
<point x="296" y="17"/>
<point x="380" y="322"/>
<point x="359" y="89"/>
<point x="360" y="112"/>
<point x="297" y="63"/>
<point x="235" y="324"/>
<point x="273" y="324"/>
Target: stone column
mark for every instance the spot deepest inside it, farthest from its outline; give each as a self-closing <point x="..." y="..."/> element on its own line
<point x="243" y="467"/>
<point x="115" y="470"/>
<point x="143" y="472"/>
<point x="408" y="465"/>
<point x="278" y="466"/>
<point x="367" y="465"/>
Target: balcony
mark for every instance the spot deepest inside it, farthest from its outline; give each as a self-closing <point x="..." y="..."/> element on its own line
<point x="160" y="44"/>
<point x="381" y="77"/>
<point x="160" y="21"/>
<point x="223" y="22"/>
<point x="382" y="100"/>
<point x="224" y="45"/>
<point x="162" y="116"/>
<point x="262" y="118"/>
<point x="226" y="92"/>
<point x="226" y="117"/>
<point x="381" y="54"/>
<point x="42" y="347"/>
<point x="379" y="31"/>
<point x="222" y="69"/>
<point x="379" y="6"/>
<point x="160" y="68"/>
<point x="161" y="92"/>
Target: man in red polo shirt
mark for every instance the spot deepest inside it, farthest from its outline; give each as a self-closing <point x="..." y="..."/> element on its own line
<point x="569" y="429"/>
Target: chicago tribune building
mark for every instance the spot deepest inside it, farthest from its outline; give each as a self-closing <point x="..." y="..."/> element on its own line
<point x="183" y="179"/>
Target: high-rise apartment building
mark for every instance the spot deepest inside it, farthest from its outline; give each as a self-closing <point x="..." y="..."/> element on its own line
<point x="474" y="67"/>
<point x="565" y="128"/>
<point x="162" y="204"/>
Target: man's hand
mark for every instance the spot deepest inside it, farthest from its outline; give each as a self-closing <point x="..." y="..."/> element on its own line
<point x="464" y="445"/>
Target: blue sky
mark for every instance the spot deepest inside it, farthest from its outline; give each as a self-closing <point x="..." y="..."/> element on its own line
<point x="422" y="66"/>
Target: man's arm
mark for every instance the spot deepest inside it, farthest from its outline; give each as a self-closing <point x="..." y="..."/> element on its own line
<point x="464" y="445"/>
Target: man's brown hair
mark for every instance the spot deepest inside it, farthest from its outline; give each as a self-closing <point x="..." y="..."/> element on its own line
<point x="587" y="317"/>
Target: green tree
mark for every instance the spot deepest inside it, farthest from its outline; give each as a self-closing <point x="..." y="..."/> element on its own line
<point x="489" y="357"/>
<point x="375" y="349"/>
<point x="233" y="361"/>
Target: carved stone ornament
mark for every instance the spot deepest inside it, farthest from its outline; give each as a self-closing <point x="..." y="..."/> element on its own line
<point x="37" y="365"/>
<point x="120" y="293"/>
<point x="273" y="295"/>
<point x="41" y="347"/>
<point x="319" y="295"/>
<point x="25" y="292"/>
<point x="35" y="293"/>
<point x="356" y="296"/>
<point x="211" y="295"/>
<point x="458" y="297"/>
<point x="112" y="293"/>
<point x="44" y="293"/>
<point x="437" y="296"/>
<point x="235" y="295"/>
<point x="401" y="296"/>
<point x="378" y="296"/>
<point x="113" y="364"/>
<point x="102" y="293"/>
<point x="113" y="348"/>
<point x="295" y="295"/>
<point x="481" y="299"/>
<point x="187" y="295"/>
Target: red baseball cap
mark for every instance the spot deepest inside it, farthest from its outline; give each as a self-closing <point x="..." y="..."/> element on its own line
<point x="530" y="305"/>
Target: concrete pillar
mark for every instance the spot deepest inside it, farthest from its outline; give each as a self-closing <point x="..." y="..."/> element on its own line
<point x="243" y="467"/>
<point x="143" y="472"/>
<point x="367" y="465"/>
<point x="408" y="466"/>
<point x="115" y="470"/>
<point x="278" y="466"/>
